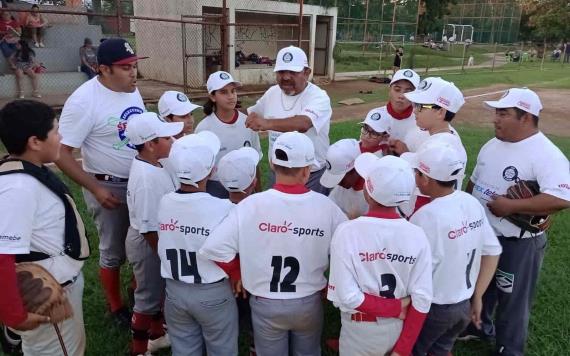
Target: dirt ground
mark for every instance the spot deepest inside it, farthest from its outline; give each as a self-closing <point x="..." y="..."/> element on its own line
<point x="553" y="119"/>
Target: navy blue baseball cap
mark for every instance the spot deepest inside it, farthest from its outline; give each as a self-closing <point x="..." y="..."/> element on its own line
<point x="116" y="51"/>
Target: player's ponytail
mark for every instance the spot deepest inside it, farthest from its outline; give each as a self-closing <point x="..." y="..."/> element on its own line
<point x="209" y="107"/>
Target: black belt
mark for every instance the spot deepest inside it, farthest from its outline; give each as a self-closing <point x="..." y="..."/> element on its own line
<point x="110" y="178"/>
<point x="68" y="282"/>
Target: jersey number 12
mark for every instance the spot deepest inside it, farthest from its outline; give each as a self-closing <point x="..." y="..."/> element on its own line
<point x="278" y="263"/>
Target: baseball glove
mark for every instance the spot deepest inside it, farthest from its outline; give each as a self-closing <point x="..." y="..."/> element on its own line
<point x="41" y="293"/>
<point x="525" y="189"/>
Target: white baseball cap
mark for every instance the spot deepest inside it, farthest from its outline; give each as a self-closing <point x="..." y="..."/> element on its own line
<point x="438" y="161"/>
<point x="236" y="170"/>
<point x="218" y="80"/>
<point x="388" y="180"/>
<point x="377" y="120"/>
<point x="193" y="156"/>
<point x="175" y="103"/>
<point x="291" y="58"/>
<point x="339" y="161"/>
<point x="437" y="91"/>
<point x="147" y="126"/>
<point x="298" y="148"/>
<point x="406" y="74"/>
<point x="522" y="98"/>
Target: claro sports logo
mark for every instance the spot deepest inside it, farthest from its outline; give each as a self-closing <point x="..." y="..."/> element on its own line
<point x="174" y="227"/>
<point x="289" y="228"/>
<point x="464" y="229"/>
<point x="387" y="256"/>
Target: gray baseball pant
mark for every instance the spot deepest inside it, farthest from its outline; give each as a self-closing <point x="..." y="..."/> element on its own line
<point x="201" y="312"/>
<point x="368" y="338"/>
<point x="314" y="182"/>
<point x="512" y="293"/>
<point x="283" y="327"/>
<point x="112" y="225"/>
<point x="443" y="324"/>
<point x="146" y="269"/>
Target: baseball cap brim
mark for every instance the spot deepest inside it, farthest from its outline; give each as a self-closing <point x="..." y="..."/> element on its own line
<point x="129" y="60"/>
<point x="168" y="129"/>
<point x="498" y="104"/>
<point x="184" y="108"/>
<point x="411" y="158"/>
<point x="420" y="97"/>
<point x="221" y="85"/>
<point x="291" y="68"/>
<point x="330" y="180"/>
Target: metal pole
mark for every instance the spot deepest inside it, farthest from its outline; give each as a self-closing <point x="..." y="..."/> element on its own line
<point x="300" y="23"/>
<point x="118" y="11"/>
<point x="365" y="28"/>
<point x="394" y="17"/>
<point x="494" y="56"/>
<point x="463" y="58"/>
<point x="543" y="55"/>
<point x="224" y="37"/>
<point x="184" y="64"/>
<point x="417" y="20"/>
<point x="521" y="55"/>
<point x="380" y="59"/>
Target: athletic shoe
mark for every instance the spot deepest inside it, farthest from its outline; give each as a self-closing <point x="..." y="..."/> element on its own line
<point x="472" y="333"/>
<point x="122" y="318"/>
<point x="10" y="341"/>
<point x="162" y="342"/>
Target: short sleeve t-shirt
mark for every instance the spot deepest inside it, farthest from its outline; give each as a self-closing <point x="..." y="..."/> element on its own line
<point x="147" y="184"/>
<point x="459" y="234"/>
<point x="382" y="257"/>
<point x="501" y="164"/>
<point x="312" y="102"/>
<point x="283" y="245"/>
<point x="186" y="222"/>
<point x="232" y="136"/>
<point x="94" y="119"/>
<point x="350" y="201"/>
<point x="34" y="221"/>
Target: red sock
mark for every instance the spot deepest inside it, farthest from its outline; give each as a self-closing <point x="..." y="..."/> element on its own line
<point x="140" y="325"/>
<point x="157" y="326"/>
<point x="111" y="281"/>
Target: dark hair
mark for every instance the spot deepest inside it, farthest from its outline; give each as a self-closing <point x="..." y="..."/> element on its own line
<point x="210" y="106"/>
<point x="140" y="147"/>
<point x="87" y="41"/>
<point x="22" y="119"/>
<point x="448" y="114"/>
<point x="520" y="113"/>
<point x="25" y="52"/>
<point x="286" y="171"/>
<point x="35" y="6"/>
<point x="450" y="184"/>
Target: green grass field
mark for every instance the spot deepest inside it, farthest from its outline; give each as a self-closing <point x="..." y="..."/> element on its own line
<point x="549" y="329"/>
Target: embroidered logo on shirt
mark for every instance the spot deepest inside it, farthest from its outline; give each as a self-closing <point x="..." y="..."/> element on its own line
<point x="121" y="125"/>
<point x="510" y="174"/>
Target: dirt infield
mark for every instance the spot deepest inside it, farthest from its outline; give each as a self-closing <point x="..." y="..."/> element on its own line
<point x="553" y="119"/>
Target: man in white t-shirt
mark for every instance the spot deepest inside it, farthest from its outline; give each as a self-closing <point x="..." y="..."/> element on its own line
<point x="295" y="104"/>
<point x="283" y="247"/>
<point x="94" y="119"/>
<point x="379" y="264"/>
<point x="341" y="176"/>
<point x="464" y="249"/>
<point x="148" y="182"/>
<point x="519" y="151"/>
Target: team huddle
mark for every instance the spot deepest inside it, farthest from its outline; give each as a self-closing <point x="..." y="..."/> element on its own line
<point x="378" y="226"/>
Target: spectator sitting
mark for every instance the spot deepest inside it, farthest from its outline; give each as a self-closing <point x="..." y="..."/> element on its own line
<point x="88" y="57"/>
<point x="36" y="23"/>
<point x="10" y="33"/>
<point x="556" y="54"/>
<point x="23" y="62"/>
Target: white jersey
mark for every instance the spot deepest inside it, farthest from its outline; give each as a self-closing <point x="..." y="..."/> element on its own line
<point x="383" y="257"/>
<point x="282" y="243"/>
<point x="186" y="222"/>
<point x="33" y="219"/>
<point x="459" y="234"/>
<point x="350" y="201"/>
<point x="147" y="184"/>
<point x="232" y="136"/>
<point x="501" y="164"/>
<point x="312" y="102"/>
<point x="94" y="119"/>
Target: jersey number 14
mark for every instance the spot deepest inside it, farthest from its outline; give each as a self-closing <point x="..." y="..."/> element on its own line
<point x="188" y="264"/>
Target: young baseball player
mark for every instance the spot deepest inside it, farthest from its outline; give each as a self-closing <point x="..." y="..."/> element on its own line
<point x="378" y="259"/>
<point x="464" y="249"/>
<point x="174" y="106"/>
<point x="148" y="182"/>
<point x="283" y="248"/>
<point x="39" y="223"/>
<point x="200" y="306"/>
<point x="237" y="172"/>
<point x="374" y="134"/>
<point x="227" y="123"/>
<point x="341" y="176"/>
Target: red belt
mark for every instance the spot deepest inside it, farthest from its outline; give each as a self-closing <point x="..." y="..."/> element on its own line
<point x="361" y="317"/>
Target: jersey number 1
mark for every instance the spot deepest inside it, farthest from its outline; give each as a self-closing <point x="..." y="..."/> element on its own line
<point x="188" y="264"/>
<point x="468" y="270"/>
<point x="278" y="263"/>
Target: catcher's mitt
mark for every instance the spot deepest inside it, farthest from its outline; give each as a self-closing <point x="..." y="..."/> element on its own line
<point x="525" y="189"/>
<point x="41" y="293"/>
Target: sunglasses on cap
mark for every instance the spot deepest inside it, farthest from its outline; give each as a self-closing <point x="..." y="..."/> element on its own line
<point x="419" y="107"/>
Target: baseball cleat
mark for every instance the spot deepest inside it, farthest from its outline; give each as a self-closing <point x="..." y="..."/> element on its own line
<point x="162" y="342"/>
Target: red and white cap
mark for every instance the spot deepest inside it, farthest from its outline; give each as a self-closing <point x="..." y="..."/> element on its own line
<point x="522" y="98"/>
<point x="175" y="103"/>
<point x="193" y="156"/>
<point x="236" y="170"/>
<point x="220" y="79"/>
<point x="339" y="161"/>
<point x="388" y="180"/>
<point x="291" y="58"/>
<point x="377" y="120"/>
<point x="406" y="74"/>
<point x="437" y="91"/>
<point x="295" y="150"/>
<point x="147" y="126"/>
<point x="438" y="161"/>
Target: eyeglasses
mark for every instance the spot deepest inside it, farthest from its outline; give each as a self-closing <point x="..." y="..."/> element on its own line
<point x="366" y="130"/>
<point x="419" y="107"/>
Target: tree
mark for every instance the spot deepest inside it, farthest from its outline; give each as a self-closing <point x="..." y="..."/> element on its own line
<point x="432" y="13"/>
<point x="546" y="19"/>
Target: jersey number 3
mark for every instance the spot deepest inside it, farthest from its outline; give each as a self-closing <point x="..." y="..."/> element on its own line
<point x="286" y="286"/>
<point x="188" y="264"/>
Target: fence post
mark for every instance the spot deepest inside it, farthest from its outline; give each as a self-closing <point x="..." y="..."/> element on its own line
<point x="428" y="61"/>
<point x="380" y="58"/>
<point x="521" y="55"/>
<point x="184" y="59"/>
<point x="494" y="57"/>
<point x="543" y="55"/>
<point x="300" y="23"/>
<point x="118" y="14"/>
<point x="463" y="58"/>
<point x="224" y="38"/>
